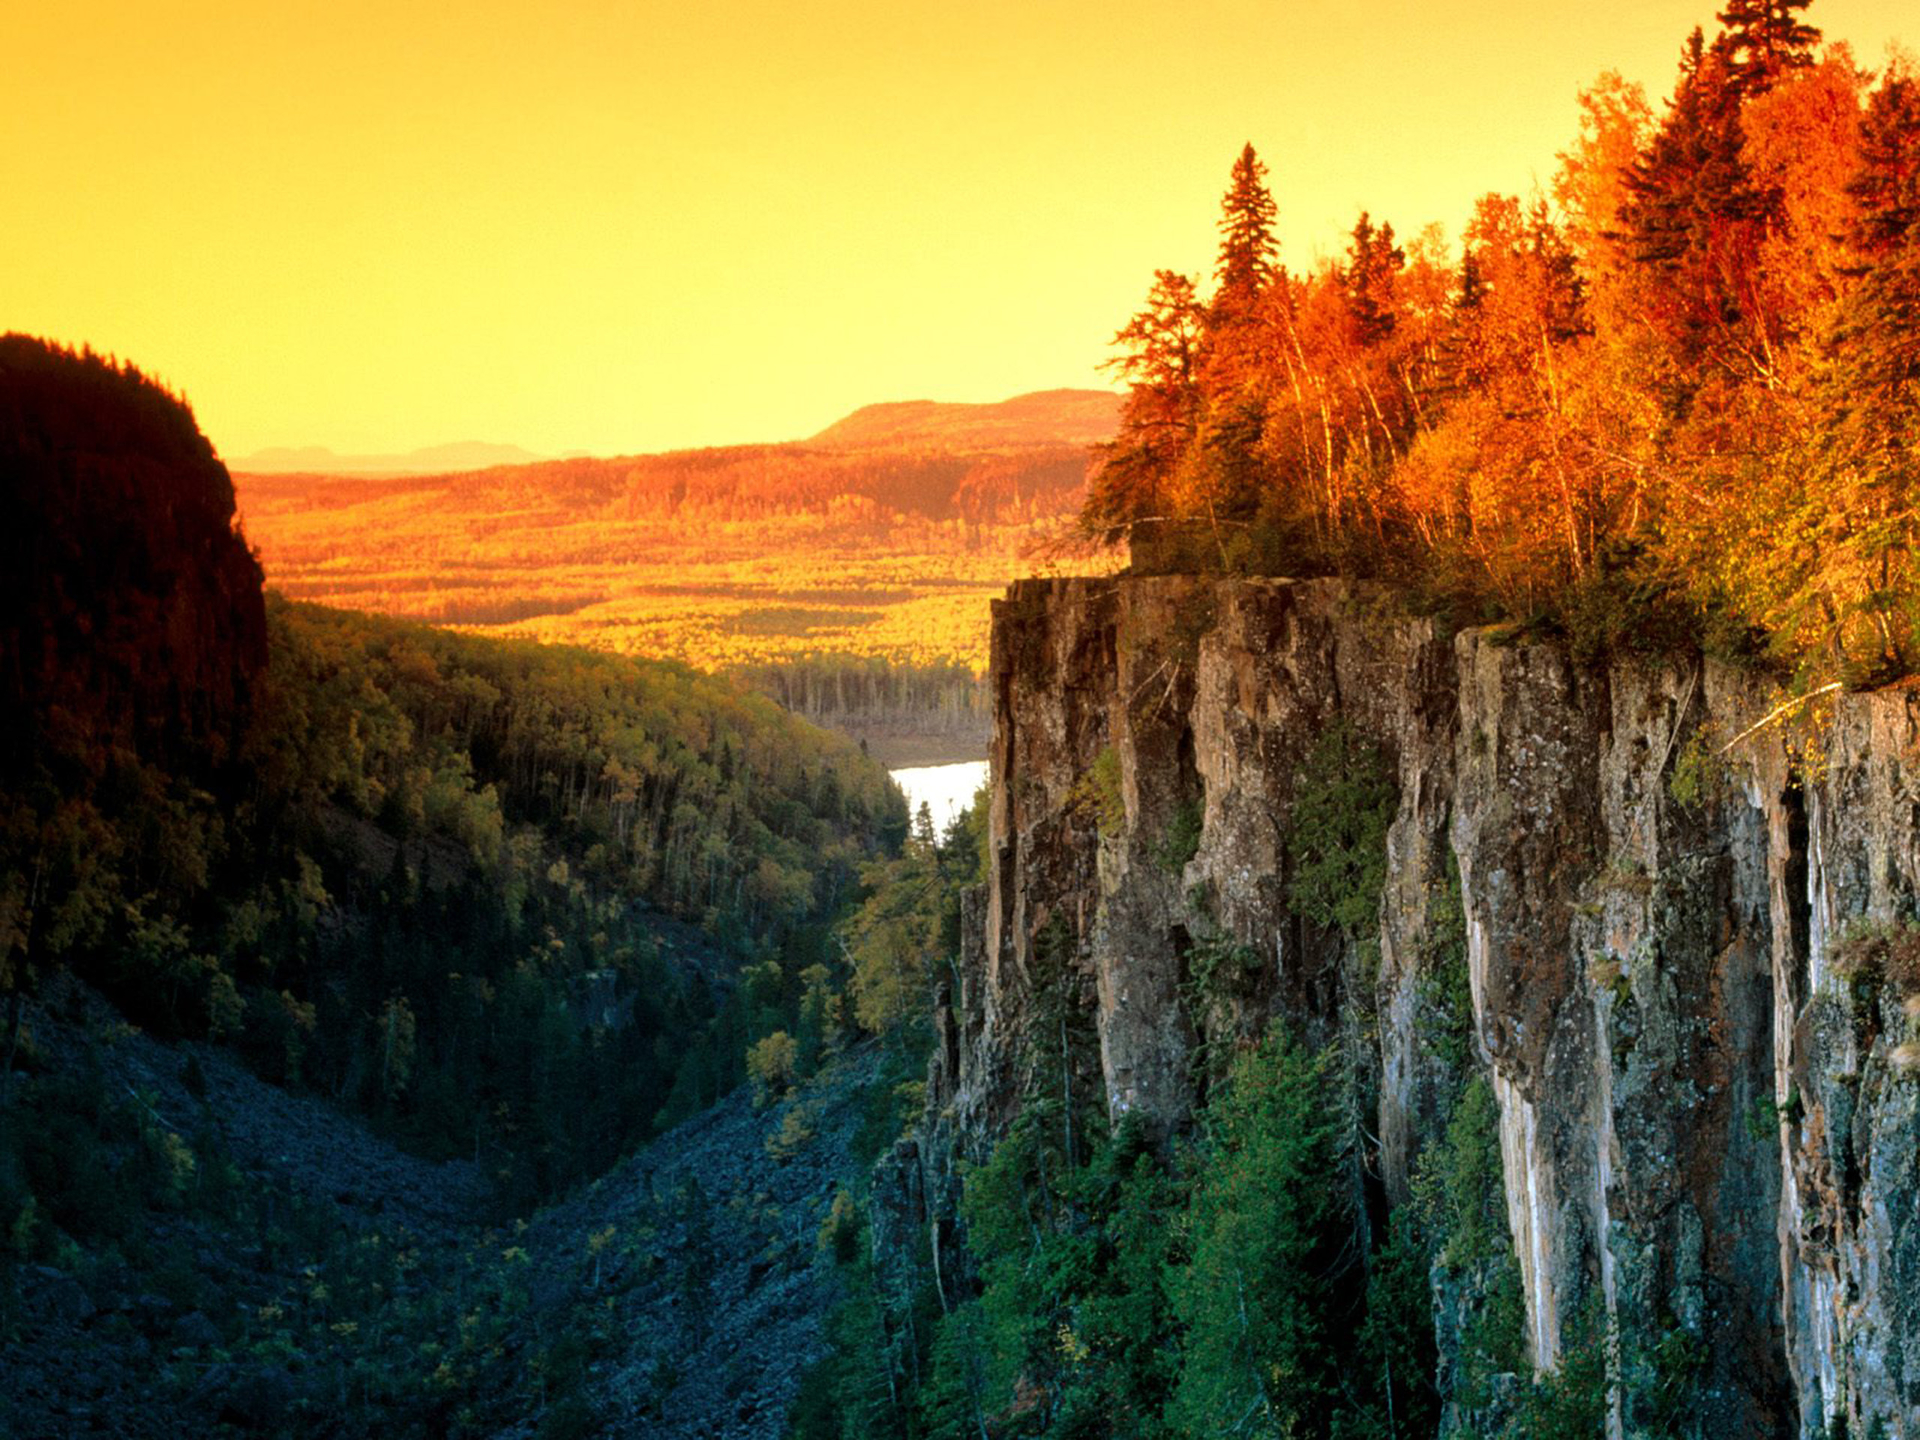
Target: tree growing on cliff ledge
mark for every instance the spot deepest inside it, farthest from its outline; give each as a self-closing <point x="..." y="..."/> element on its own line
<point x="1672" y="407"/>
<point x="1249" y="257"/>
<point x="1159" y="359"/>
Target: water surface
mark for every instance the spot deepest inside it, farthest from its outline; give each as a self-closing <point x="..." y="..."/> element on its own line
<point x="943" y="789"/>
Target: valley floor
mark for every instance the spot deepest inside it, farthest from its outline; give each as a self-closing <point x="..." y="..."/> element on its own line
<point x="297" y="1274"/>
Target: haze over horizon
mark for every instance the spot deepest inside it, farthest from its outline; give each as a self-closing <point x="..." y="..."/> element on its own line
<point x="1037" y="417"/>
<point x="624" y="231"/>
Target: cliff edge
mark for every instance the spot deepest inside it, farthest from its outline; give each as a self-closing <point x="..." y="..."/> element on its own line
<point x="1682" y="925"/>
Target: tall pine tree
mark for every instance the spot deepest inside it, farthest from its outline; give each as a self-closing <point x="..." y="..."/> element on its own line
<point x="1249" y="257"/>
<point x="1374" y="263"/>
<point x="1695" y="219"/>
<point x="1159" y="358"/>
<point x="1765" y="38"/>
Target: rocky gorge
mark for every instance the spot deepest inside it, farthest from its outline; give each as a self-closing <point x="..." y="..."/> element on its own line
<point x="1680" y="907"/>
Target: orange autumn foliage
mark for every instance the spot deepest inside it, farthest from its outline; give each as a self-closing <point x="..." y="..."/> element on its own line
<point x="1673" y="403"/>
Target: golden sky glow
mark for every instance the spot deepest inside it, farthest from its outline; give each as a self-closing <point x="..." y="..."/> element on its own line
<point x="623" y="227"/>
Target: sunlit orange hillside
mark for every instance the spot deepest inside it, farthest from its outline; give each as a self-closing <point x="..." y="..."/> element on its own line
<point x="1047" y="417"/>
<point x="883" y="536"/>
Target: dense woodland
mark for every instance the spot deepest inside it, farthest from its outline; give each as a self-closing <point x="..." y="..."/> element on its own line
<point x="1673" y="399"/>
<point x="528" y="905"/>
<point x="515" y="902"/>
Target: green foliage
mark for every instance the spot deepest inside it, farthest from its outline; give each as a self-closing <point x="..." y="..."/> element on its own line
<point x="793" y="1136"/>
<point x="890" y="1104"/>
<point x="95" y="1182"/>
<point x="1460" y="1196"/>
<point x="1097" y="796"/>
<point x="1394" y="1353"/>
<point x="896" y="941"/>
<point x="901" y="941"/>
<point x="840" y="1232"/>
<point x="1067" y="1335"/>
<point x="1657" y="1377"/>
<point x="1124" y="1291"/>
<point x="431" y="866"/>
<point x="1338" y="840"/>
<point x="1218" y="967"/>
<point x="1459" y="1185"/>
<point x="1700" y="774"/>
<point x="1569" y="1402"/>
<point x="1446" y="988"/>
<point x="771" y="1062"/>
<point x="1766" y="1115"/>
<point x="1181" y="842"/>
<point x="1262" y="1300"/>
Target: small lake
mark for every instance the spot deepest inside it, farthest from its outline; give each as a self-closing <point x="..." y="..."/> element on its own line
<point x="943" y="789"/>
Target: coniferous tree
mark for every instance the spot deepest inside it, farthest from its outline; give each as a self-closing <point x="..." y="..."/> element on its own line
<point x="1159" y="359"/>
<point x="1249" y="256"/>
<point x="1265" y="1301"/>
<point x="1766" y="38"/>
<point x="1863" y="526"/>
<point x="1882" y="328"/>
<point x="1695" y="220"/>
<point x="1223" y="474"/>
<point x="1373" y="263"/>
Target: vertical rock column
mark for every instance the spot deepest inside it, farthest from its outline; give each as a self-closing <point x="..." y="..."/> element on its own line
<point x="1850" y="1209"/>
<point x="1525" y="821"/>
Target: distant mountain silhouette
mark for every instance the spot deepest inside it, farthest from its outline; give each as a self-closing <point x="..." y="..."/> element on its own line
<point x="1045" y="417"/>
<point x="462" y="455"/>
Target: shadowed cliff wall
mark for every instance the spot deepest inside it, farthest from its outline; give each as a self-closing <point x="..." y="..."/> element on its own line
<point x="1707" y="1128"/>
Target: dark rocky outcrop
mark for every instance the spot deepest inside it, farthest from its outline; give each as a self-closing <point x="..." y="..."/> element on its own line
<point x="1707" y="1119"/>
<point x="131" y="609"/>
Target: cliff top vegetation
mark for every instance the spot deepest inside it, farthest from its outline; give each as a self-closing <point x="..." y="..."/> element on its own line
<point x="1672" y="400"/>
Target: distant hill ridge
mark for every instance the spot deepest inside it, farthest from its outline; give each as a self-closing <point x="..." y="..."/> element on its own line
<point x="1045" y="417"/>
<point x="461" y="455"/>
<point x="883" y="538"/>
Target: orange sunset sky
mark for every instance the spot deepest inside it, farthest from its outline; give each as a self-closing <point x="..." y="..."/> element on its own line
<point x="626" y="227"/>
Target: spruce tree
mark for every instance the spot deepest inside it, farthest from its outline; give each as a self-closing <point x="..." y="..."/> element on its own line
<point x="1159" y="358"/>
<point x="1249" y="257"/>
<point x="1764" y="39"/>
<point x="1373" y="263"/>
<point x="1693" y="214"/>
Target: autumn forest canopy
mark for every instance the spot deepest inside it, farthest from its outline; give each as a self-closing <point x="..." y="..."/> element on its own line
<point x="1674" y="400"/>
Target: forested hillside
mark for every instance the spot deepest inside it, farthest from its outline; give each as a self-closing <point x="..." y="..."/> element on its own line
<point x="1675" y="396"/>
<point x="493" y="894"/>
<point x="812" y="566"/>
<point x="328" y="942"/>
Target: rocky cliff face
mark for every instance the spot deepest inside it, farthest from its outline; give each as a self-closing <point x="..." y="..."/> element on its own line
<point x="1692" y="1015"/>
